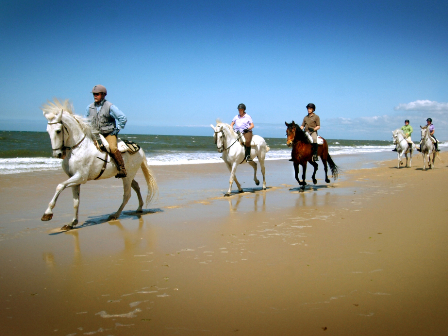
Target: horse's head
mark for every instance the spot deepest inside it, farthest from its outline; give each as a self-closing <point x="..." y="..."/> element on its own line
<point x="290" y="133"/>
<point x="55" y="129"/>
<point x="218" y="136"/>
<point x="423" y="132"/>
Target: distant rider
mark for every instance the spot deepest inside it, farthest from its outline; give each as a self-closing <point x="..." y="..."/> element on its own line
<point x="430" y="126"/>
<point x="311" y="124"/>
<point x="243" y="124"/>
<point x="407" y="130"/>
<point x="108" y="120"/>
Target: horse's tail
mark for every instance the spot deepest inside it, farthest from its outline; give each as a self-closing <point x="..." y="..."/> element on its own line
<point x="267" y="148"/>
<point x="151" y="182"/>
<point x="334" y="168"/>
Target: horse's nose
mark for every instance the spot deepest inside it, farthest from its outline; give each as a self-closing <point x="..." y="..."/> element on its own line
<point x="57" y="154"/>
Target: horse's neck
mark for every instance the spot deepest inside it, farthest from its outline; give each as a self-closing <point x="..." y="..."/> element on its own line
<point x="75" y="133"/>
<point x="229" y="136"/>
<point x="300" y="136"/>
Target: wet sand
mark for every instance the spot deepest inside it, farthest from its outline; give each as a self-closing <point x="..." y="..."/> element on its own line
<point x="365" y="255"/>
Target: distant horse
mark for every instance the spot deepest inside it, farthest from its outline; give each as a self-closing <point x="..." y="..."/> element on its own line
<point x="302" y="153"/>
<point x="73" y="141"/>
<point x="427" y="148"/>
<point x="403" y="147"/>
<point x="227" y="142"/>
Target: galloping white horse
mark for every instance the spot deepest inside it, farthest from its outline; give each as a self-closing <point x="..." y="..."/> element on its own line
<point x="72" y="140"/>
<point x="427" y="148"/>
<point x="232" y="151"/>
<point x="403" y="147"/>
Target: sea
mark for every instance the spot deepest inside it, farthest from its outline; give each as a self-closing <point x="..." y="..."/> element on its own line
<point x="22" y="152"/>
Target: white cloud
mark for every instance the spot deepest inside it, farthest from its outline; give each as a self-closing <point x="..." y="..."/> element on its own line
<point x="423" y="105"/>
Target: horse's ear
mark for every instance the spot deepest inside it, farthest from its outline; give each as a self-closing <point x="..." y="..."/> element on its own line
<point x="293" y="122"/>
<point x="286" y="124"/>
<point x="212" y="126"/>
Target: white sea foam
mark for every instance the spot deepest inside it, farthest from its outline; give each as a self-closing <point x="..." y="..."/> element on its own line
<point x="23" y="165"/>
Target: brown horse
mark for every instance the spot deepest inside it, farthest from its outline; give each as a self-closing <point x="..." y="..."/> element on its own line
<point x="302" y="153"/>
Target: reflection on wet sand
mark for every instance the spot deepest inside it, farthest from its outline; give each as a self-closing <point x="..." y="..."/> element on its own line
<point x="234" y="202"/>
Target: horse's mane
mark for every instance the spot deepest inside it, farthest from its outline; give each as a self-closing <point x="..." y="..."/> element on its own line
<point x="397" y="131"/>
<point x="56" y="106"/>
<point x="300" y="134"/>
<point x="219" y="122"/>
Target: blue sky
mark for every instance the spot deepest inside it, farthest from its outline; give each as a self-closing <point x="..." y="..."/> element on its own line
<point x="176" y="66"/>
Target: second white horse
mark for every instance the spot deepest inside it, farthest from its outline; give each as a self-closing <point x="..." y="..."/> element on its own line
<point x="227" y="142"/>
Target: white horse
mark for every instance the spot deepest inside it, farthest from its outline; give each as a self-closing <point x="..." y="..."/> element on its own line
<point x="427" y="148"/>
<point x="232" y="151"/>
<point x="73" y="141"/>
<point x="403" y="147"/>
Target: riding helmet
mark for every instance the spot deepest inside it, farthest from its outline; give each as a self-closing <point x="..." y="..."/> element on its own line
<point x="242" y="106"/>
<point x="407" y="120"/>
<point x="429" y="119"/>
<point x="99" y="89"/>
<point x="311" y="105"/>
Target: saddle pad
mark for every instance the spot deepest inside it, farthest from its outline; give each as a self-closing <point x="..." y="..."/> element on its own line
<point x="128" y="146"/>
<point x="123" y="145"/>
<point x="320" y="140"/>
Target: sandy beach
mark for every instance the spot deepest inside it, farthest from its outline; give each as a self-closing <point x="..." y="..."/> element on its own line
<point x="365" y="255"/>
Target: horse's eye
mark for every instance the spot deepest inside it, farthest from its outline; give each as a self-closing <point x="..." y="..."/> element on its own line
<point x="58" y="131"/>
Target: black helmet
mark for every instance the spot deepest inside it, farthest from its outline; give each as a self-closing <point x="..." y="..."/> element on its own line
<point x="242" y="106"/>
<point x="311" y="105"/>
<point x="407" y="120"/>
<point x="429" y="119"/>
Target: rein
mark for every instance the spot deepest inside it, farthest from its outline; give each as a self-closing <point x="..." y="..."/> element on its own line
<point x="66" y="147"/>
<point x="221" y="131"/>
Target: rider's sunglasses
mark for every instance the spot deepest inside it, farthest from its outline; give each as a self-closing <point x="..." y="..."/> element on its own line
<point x="97" y="94"/>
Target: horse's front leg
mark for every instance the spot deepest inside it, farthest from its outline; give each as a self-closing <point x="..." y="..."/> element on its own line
<point x="296" y="172"/>
<point x="72" y="181"/>
<point x="232" y="169"/>
<point x="303" y="174"/>
<point x="136" y="188"/>
<point x="75" y="191"/>
<point x="254" y="166"/>
<point x="314" y="164"/>
<point x="127" y="182"/>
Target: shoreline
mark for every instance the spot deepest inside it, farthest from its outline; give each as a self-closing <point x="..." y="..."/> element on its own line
<point x="341" y="258"/>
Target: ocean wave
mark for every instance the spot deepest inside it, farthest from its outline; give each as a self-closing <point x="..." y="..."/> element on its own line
<point x="22" y="165"/>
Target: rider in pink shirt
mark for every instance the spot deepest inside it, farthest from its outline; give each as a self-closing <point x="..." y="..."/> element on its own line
<point x="243" y="124"/>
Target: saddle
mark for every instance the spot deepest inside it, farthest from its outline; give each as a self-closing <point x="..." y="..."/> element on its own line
<point x="242" y="140"/>
<point x="320" y="140"/>
<point x="122" y="144"/>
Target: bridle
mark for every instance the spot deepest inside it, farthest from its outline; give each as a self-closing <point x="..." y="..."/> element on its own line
<point x="63" y="147"/>
<point x="222" y="147"/>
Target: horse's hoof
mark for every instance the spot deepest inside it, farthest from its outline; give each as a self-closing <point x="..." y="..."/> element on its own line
<point x="112" y="218"/>
<point x="46" y="217"/>
<point x="240" y="191"/>
<point x="315" y="181"/>
<point x="66" y="228"/>
<point x="139" y="211"/>
<point x="257" y="182"/>
<point x="226" y="195"/>
<point x="74" y="223"/>
<point x="264" y="188"/>
<point x="327" y="180"/>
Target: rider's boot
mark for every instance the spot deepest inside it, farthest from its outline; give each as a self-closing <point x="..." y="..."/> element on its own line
<point x="247" y="154"/>
<point x="120" y="164"/>
<point x="315" y="157"/>
<point x="395" y="149"/>
<point x="436" y="145"/>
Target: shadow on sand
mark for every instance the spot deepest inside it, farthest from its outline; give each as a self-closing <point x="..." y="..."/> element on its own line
<point x="245" y="190"/>
<point x="311" y="187"/>
<point x="96" y="220"/>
